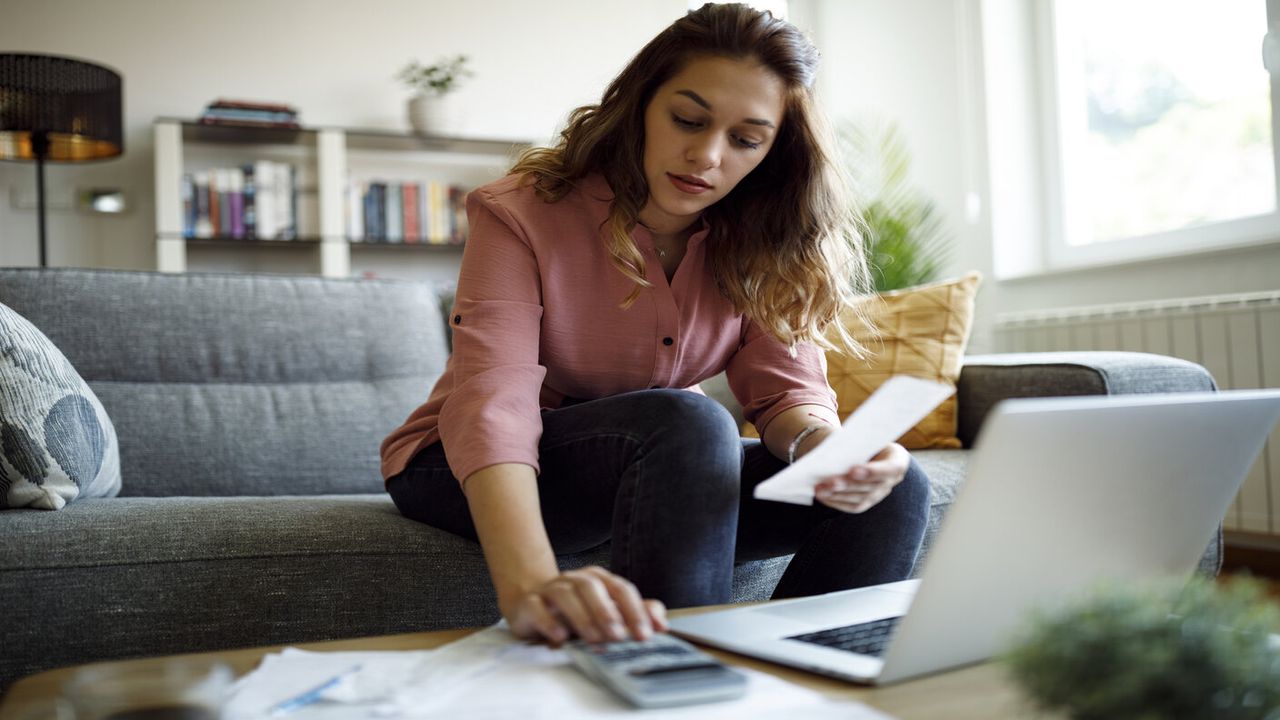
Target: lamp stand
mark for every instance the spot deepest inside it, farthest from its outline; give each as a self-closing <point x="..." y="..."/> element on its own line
<point x="40" y="148"/>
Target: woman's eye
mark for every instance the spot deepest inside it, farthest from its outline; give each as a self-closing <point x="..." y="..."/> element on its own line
<point x="683" y="122"/>
<point x="747" y="143"/>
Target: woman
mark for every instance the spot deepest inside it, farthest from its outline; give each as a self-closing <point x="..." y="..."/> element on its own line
<point x="690" y="223"/>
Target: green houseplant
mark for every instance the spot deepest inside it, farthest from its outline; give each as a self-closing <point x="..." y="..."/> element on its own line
<point x="1156" y="652"/>
<point x="907" y="243"/>
<point x="431" y="84"/>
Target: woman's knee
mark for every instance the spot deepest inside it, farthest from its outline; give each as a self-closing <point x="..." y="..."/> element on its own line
<point x="915" y="485"/>
<point x="696" y="418"/>
<point x="693" y="441"/>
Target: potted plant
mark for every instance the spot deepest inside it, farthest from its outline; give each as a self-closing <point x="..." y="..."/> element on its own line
<point x="906" y="241"/>
<point x="1202" y="651"/>
<point x="431" y="84"/>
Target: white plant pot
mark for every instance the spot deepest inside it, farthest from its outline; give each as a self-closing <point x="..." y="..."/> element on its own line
<point x="431" y="115"/>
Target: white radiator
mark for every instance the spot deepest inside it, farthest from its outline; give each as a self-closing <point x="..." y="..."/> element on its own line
<point x="1237" y="337"/>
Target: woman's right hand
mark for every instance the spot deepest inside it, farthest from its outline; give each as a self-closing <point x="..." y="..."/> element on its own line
<point x="591" y="603"/>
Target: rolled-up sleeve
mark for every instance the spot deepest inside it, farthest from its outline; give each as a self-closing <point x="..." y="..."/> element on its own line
<point x="766" y="380"/>
<point x="492" y="414"/>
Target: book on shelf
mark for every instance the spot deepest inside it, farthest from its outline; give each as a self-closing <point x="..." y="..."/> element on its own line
<point x="252" y="105"/>
<point x="235" y="205"/>
<point x="250" y="201"/>
<point x="258" y="200"/>
<point x="429" y="212"/>
<point x="250" y="114"/>
<point x="412" y="213"/>
<point x="395" y="213"/>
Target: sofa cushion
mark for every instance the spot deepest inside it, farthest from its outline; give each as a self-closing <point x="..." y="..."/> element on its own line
<point x="922" y="332"/>
<point x="56" y="441"/>
<point x="988" y="379"/>
<point x="233" y="384"/>
<point x="154" y="576"/>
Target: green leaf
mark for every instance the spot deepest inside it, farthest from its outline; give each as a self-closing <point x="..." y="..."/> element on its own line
<point x="907" y="243"/>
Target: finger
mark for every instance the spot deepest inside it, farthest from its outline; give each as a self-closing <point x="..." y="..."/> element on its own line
<point x="894" y="464"/>
<point x="890" y="451"/>
<point x="607" y="600"/>
<point x="852" y="503"/>
<point x="836" y="487"/>
<point x="593" y="591"/>
<point x="840" y="483"/>
<point x="841" y="506"/>
<point x="894" y="455"/>
<point x="627" y="601"/>
<point x="657" y="614"/>
<point x="870" y="501"/>
<point x="891" y="471"/>
<point x="562" y="596"/>
<point x="849" y="492"/>
<point x="866" y="505"/>
<point x="535" y="618"/>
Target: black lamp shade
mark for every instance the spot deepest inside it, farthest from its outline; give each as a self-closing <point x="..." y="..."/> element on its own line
<point x="75" y="104"/>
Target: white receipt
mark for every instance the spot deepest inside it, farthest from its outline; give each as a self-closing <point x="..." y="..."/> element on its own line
<point x="892" y="410"/>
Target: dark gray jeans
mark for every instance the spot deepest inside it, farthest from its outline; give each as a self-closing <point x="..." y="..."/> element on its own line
<point x="666" y="477"/>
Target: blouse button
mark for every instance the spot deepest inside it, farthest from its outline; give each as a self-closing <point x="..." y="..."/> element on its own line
<point x="667" y="341"/>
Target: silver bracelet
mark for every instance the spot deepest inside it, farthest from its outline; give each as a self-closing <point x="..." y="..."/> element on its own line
<point x="799" y="438"/>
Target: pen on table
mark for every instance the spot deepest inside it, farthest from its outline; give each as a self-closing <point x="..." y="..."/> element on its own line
<point x="311" y="696"/>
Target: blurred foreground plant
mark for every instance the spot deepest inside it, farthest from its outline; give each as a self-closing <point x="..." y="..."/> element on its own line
<point x="1159" y="652"/>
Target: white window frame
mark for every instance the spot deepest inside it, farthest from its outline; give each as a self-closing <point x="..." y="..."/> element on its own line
<point x="1061" y="189"/>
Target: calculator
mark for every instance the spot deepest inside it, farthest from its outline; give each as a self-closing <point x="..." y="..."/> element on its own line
<point x="662" y="671"/>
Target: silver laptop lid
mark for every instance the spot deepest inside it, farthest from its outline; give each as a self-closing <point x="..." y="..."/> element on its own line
<point x="1066" y="492"/>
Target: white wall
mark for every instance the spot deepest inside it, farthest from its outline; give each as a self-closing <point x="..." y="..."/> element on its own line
<point x="334" y="60"/>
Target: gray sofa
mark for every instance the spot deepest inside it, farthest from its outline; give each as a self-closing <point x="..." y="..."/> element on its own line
<point x="249" y="409"/>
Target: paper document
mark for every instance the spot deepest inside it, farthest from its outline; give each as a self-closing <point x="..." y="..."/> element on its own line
<point x="289" y="674"/>
<point x="492" y="675"/>
<point x="891" y="410"/>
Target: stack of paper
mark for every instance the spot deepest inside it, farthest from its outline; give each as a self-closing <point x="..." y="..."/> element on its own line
<point x="488" y="675"/>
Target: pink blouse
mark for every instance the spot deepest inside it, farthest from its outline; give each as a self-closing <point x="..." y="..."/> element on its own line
<point x="537" y="319"/>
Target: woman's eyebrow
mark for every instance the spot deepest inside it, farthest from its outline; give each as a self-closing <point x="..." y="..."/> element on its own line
<point x="707" y="106"/>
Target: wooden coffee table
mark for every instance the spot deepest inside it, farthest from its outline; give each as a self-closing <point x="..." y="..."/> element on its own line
<point x="980" y="692"/>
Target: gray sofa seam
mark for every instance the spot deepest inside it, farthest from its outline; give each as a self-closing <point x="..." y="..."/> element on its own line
<point x="223" y="558"/>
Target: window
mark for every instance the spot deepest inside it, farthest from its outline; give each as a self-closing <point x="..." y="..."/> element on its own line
<point x="1159" y="132"/>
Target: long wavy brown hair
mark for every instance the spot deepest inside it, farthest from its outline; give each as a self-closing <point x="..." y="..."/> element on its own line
<point x="784" y="244"/>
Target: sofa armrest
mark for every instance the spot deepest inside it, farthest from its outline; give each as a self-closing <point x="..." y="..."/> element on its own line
<point x="987" y="379"/>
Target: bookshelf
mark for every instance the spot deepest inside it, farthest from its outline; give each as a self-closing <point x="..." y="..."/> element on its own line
<point x="326" y="160"/>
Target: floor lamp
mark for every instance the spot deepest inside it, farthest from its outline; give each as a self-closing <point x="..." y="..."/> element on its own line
<point x="58" y="109"/>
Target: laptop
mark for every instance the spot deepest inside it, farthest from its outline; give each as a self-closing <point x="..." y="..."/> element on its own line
<point x="1062" y="494"/>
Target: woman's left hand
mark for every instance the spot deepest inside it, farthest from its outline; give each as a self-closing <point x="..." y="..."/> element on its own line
<point x="865" y="485"/>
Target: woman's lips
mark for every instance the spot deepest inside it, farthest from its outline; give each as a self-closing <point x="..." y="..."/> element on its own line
<point x="685" y="186"/>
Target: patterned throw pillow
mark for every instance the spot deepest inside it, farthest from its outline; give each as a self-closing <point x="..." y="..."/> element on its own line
<point x="923" y="332"/>
<point x="56" y="441"/>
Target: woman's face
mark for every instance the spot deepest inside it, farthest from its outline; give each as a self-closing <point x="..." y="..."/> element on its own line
<point x="704" y="130"/>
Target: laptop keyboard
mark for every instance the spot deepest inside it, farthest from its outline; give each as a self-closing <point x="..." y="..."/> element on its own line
<point x="867" y="638"/>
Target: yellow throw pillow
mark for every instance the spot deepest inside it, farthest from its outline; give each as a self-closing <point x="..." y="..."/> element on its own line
<point x="923" y="332"/>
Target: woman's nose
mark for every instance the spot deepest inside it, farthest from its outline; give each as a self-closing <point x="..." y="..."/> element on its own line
<point x="704" y="153"/>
